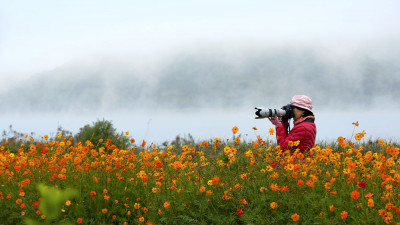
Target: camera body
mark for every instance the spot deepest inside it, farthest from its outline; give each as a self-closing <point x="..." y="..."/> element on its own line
<point x="285" y="112"/>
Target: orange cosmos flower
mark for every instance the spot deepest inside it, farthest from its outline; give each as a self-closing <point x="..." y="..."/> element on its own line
<point x="355" y="124"/>
<point x="237" y="139"/>
<point x="18" y="201"/>
<point x="382" y="212"/>
<point x="359" y="136"/>
<point x="343" y="214"/>
<point x="166" y="205"/>
<point x="295" y="217"/>
<point x="284" y="188"/>
<point x="79" y="220"/>
<point x="202" y="189"/>
<point x="370" y="202"/>
<point x="274" y="187"/>
<point x="340" y="139"/>
<point x="254" y="128"/>
<point x="393" y="151"/>
<point x="106" y="197"/>
<point x="300" y="182"/>
<point x="331" y="208"/>
<point x="92" y="193"/>
<point x="355" y="194"/>
<point x="310" y="183"/>
<point x="104" y="210"/>
<point x="143" y="143"/>
<point x="235" y="129"/>
<point x="274" y="205"/>
<point x="215" y="180"/>
<point x="127" y="133"/>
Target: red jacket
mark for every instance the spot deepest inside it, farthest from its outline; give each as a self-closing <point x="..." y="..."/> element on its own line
<point x="304" y="130"/>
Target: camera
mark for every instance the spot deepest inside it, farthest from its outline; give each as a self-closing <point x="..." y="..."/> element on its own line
<point x="285" y="112"/>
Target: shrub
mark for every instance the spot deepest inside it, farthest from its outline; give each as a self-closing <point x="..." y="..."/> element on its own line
<point x="102" y="129"/>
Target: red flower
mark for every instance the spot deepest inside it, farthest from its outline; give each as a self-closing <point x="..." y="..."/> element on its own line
<point x="273" y="164"/>
<point x="361" y="184"/>
<point x="215" y="180"/>
<point x="92" y="193"/>
<point x="240" y="212"/>
<point x="35" y="204"/>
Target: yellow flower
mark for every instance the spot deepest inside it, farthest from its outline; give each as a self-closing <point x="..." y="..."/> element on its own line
<point x="209" y="182"/>
<point x="271" y="131"/>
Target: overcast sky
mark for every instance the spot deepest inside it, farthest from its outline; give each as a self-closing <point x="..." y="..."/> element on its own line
<point x="43" y="34"/>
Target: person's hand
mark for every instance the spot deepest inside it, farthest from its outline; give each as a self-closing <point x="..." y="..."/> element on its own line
<point x="275" y="121"/>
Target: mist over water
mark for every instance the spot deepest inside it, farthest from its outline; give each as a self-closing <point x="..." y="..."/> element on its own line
<point x="212" y="80"/>
<point x="205" y="92"/>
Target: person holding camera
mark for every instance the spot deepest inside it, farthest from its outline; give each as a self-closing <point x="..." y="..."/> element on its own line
<point x="304" y="129"/>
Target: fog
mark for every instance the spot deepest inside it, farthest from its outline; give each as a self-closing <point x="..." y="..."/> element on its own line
<point x="206" y="91"/>
<point x="213" y="79"/>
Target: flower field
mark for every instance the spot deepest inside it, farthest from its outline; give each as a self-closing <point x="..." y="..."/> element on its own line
<point x="58" y="180"/>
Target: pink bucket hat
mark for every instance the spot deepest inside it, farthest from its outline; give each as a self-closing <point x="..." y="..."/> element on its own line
<point x="302" y="101"/>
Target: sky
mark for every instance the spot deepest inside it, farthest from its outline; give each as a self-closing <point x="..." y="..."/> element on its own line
<point x="41" y="35"/>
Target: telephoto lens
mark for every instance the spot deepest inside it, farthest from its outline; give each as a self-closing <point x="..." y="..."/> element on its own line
<point x="265" y="113"/>
<point x="285" y="112"/>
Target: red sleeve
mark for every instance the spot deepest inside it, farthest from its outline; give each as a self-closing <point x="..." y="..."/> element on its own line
<point x="283" y="138"/>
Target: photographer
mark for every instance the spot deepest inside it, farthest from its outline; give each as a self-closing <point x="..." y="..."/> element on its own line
<point x="304" y="129"/>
